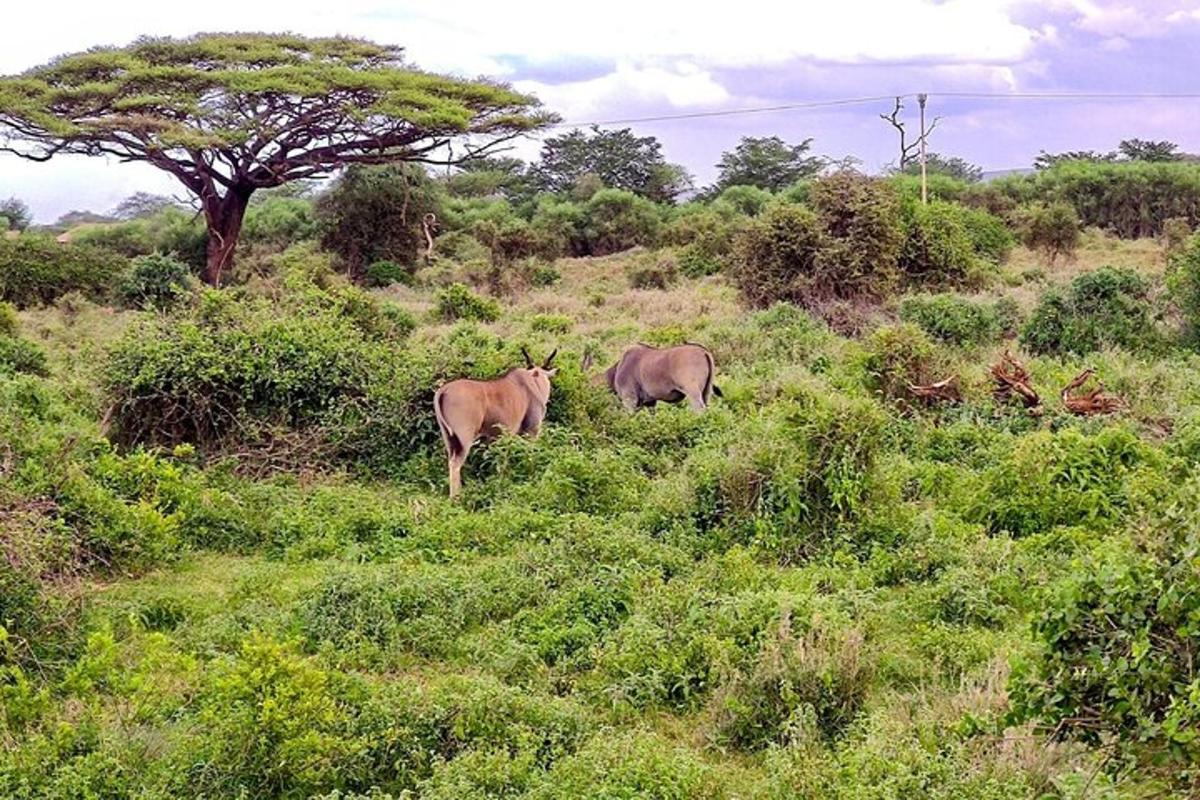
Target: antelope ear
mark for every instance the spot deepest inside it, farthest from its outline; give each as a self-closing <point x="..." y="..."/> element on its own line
<point x="550" y="373"/>
<point x="549" y="358"/>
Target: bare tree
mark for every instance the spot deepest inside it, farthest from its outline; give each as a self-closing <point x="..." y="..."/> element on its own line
<point x="908" y="150"/>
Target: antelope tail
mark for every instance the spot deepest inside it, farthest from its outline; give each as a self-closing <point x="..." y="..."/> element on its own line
<point x="453" y="445"/>
<point x="710" y="386"/>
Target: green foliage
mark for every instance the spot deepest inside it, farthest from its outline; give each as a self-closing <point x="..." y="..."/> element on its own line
<point x="14" y="214"/>
<point x="385" y="273"/>
<point x="458" y="302"/>
<point x="1052" y="228"/>
<point x="1066" y="478"/>
<point x="958" y="320"/>
<point x="938" y="248"/>
<point x="861" y="219"/>
<point x="155" y="281"/>
<point x="802" y="686"/>
<point x="277" y="221"/>
<point x="660" y="272"/>
<point x="776" y="256"/>
<point x="170" y="230"/>
<point x="36" y="270"/>
<point x="767" y="163"/>
<point x="950" y="166"/>
<point x="1117" y="640"/>
<point x="10" y="323"/>
<point x="629" y="766"/>
<point x="20" y="355"/>
<point x="1129" y="198"/>
<point x="1104" y="308"/>
<point x="1183" y="283"/>
<point x="373" y="214"/>
<point x="620" y="161"/>
<point x="617" y="220"/>
<point x="898" y="356"/>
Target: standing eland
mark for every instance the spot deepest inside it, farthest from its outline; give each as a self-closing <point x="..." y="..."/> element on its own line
<point x="647" y="375"/>
<point x="468" y="410"/>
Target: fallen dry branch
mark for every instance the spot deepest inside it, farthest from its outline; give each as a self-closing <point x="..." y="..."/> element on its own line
<point x="1087" y="404"/>
<point x="1012" y="380"/>
<point x="944" y="391"/>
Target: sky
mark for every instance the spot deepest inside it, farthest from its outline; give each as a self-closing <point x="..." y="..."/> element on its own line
<point x="622" y="59"/>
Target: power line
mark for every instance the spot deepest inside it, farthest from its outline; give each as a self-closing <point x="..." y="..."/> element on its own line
<point x="816" y="104"/>
<point x="733" y="111"/>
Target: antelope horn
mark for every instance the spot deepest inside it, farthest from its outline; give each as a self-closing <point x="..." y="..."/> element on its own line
<point x="528" y="360"/>
<point x="550" y="358"/>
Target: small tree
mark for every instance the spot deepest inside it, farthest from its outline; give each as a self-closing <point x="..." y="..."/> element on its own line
<point x="769" y="163"/>
<point x="14" y="214"/>
<point x="1148" y="150"/>
<point x="142" y="204"/>
<point x="374" y="213"/>
<point x="229" y="114"/>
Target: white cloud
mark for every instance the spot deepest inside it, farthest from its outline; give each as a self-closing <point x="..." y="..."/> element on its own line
<point x="681" y="86"/>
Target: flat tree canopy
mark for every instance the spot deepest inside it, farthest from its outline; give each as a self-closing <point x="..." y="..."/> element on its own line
<point x="228" y="114"/>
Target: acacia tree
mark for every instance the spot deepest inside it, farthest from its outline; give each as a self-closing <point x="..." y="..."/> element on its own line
<point x="228" y="114"/>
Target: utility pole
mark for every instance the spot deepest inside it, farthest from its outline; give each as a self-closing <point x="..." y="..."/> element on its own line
<point x="921" y="98"/>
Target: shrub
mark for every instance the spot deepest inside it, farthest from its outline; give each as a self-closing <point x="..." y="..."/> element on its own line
<point x="19" y="355"/>
<point x="617" y="220"/>
<point x="557" y="227"/>
<point x="989" y="233"/>
<point x="1065" y="478"/>
<point x="155" y="281"/>
<point x="1183" y="284"/>
<point x="897" y="356"/>
<point x="801" y="685"/>
<point x="9" y="322"/>
<point x="937" y="246"/>
<point x="199" y="376"/>
<point x="628" y="766"/>
<point x="385" y="273"/>
<point x="37" y="270"/>
<point x="1118" y="641"/>
<point x="860" y="216"/>
<point x="775" y="257"/>
<point x="1103" y="308"/>
<point x="544" y="275"/>
<point x="170" y="230"/>
<point x="1175" y="233"/>
<point x="956" y="319"/>
<point x="747" y="200"/>
<point x="278" y="221"/>
<point x="1052" y="228"/>
<point x="661" y="273"/>
<point x="457" y="302"/>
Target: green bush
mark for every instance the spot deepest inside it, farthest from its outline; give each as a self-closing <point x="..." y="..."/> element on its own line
<point x="36" y="270"/>
<point x="1117" y="644"/>
<point x="897" y="356"/>
<point x="278" y="221"/>
<point x="385" y="273"/>
<point x="775" y="257"/>
<point x="861" y="218"/>
<point x="170" y="230"/>
<point x="10" y="323"/>
<point x="958" y="320"/>
<point x="1066" y="478"/>
<point x="155" y="281"/>
<point x="1130" y="198"/>
<point x="457" y="302"/>
<point x="1052" y="228"/>
<point x="989" y="233"/>
<point x="20" y="355"/>
<point x="544" y="275"/>
<point x="938" y="248"/>
<point x="630" y="765"/>
<point x="1108" y="307"/>
<point x="803" y="686"/>
<point x="1183" y="284"/>
<point x="617" y="220"/>
<point x="660" y="273"/>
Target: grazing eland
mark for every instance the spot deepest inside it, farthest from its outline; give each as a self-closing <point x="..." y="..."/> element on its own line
<point x="646" y="375"/>
<point x="468" y="410"/>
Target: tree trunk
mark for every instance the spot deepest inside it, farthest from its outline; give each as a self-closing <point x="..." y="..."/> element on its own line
<point x="224" y="218"/>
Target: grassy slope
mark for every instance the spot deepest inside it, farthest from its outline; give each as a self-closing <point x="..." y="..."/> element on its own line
<point x="935" y="650"/>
